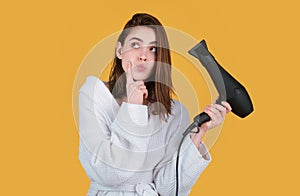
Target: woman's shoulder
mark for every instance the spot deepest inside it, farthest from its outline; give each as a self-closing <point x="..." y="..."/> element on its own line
<point x="106" y="84"/>
<point x="92" y="83"/>
<point x="178" y="108"/>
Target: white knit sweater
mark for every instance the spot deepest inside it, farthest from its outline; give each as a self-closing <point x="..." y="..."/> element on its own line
<point x="125" y="151"/>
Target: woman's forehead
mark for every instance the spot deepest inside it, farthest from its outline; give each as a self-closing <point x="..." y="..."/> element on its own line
<point x="142" y="34"/>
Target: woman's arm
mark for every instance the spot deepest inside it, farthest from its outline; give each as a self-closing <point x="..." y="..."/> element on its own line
<point x="191" y="165"/>
<point x="194" y="157"/>
<point x="191" y="162"/>
<point x="217" y="114"/>
<point x="108" y="136"/>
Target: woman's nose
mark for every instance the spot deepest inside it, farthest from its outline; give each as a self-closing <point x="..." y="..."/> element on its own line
<point x="143" y="58"/>
<point x="143" y="54"/>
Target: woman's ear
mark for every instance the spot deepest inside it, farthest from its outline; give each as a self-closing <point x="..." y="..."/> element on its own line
<point x="119" y="50"/>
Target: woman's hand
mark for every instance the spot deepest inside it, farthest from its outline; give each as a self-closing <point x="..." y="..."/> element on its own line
<point x="217" y="114"/>
<point x="136" y="90"/>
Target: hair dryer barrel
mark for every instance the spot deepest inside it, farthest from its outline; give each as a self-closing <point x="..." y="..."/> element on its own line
<point x="229" y="89"/>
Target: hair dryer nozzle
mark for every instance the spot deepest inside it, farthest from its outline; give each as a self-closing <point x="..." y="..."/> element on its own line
<point x="229" y="89"/>
<point x="200" y="48"/>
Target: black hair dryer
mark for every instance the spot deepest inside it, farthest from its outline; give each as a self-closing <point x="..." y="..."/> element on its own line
<point x="229" y="89"/>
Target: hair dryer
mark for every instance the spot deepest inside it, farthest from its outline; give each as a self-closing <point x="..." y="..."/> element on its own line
<point x="229" y="89"/>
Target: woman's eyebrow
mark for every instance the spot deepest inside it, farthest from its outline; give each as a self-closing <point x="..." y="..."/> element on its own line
<point x="140" y="40"/>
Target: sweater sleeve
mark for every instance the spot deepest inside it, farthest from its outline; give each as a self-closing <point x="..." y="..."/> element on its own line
<point x="191" y="162"/>
<point x="109" y="135"/>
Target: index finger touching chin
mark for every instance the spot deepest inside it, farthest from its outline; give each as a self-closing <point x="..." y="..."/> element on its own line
<point x="129" y="74"/>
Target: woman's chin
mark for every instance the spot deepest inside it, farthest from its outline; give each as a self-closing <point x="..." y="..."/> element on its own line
<point x="138" y="77"/>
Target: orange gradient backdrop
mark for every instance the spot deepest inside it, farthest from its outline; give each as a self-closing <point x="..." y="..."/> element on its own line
<point x="44" y="43"/>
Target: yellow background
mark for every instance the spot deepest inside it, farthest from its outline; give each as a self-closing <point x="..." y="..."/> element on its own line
<point x="43" y="44"/>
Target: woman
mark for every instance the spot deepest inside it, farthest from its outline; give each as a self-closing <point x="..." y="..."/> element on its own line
<point x="130" y="128"/>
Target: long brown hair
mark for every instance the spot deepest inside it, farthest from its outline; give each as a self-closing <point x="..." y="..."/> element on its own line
<point x="159" y="85"/>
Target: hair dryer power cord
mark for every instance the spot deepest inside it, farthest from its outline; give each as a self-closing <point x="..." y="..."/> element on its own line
<point x="198" y="121"/>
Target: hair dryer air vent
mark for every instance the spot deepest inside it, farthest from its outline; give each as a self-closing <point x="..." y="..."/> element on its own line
<point x="229" y="89"/>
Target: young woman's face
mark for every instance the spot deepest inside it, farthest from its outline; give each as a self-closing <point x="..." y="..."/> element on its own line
<point x="139" y="50"/>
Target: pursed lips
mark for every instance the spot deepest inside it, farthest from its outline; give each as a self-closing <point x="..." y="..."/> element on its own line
<point x="140" y="67"/>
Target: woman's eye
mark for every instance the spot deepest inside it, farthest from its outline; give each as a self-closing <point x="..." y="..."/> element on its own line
<point x="153" y="49"/>
<point x="135" y="45"/>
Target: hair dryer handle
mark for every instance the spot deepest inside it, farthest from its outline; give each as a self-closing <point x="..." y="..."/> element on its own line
<point x="201" y="118"/>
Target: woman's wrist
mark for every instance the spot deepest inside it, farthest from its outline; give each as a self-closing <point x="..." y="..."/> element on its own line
<point x="203" y="151"/>
<point x="201" y="147"/>
<point x="197" y="140"/>
<point x="197" y="137"/>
